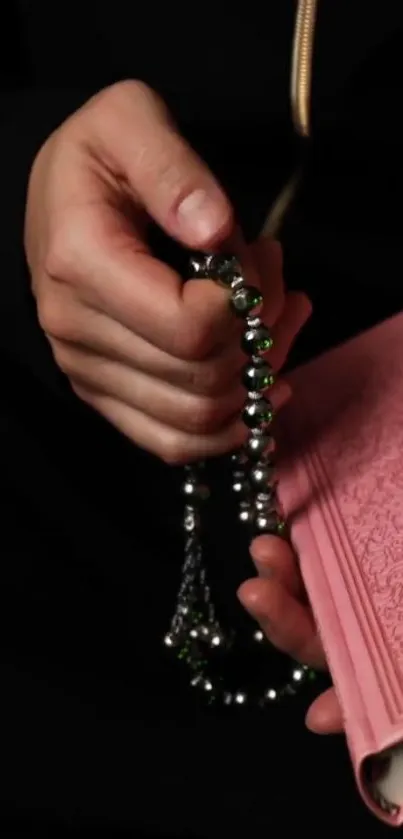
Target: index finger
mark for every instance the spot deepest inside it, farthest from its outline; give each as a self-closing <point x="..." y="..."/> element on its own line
<point x="113" y="272"/>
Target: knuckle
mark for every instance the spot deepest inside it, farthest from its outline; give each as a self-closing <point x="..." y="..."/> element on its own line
<point x="51" y="316"/>
<point x="83" y="393"/>
<point x="190" y="343"/>
<point x="205" y="378"/>
<point x="203" y="415"/>
<point x="128" y="93"/>
<point x="200" y="420"/>
<point x="129" y="88"/>
<point x="63" y="358"/>
<point x="61" y="258"/>
<point x="173" y="451"/>
<point x="57" y="320"/>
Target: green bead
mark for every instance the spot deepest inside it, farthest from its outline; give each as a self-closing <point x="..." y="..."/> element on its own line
<point x="246" y="300"/>
<point x="258" y="375"/>
<point x="257" y="340"/>
<point x="281" y="527"/>
<point x="265" y="344"/>
<point x="258" y="414"/>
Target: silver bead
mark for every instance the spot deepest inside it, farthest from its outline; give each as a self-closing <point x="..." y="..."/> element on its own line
<point x="246" y="512"/>
<point x="258" y="636"/>
<point x="207" y="685"/>
<point x="227" y="698"/>
<point x="270" y="695"/>
<point x="199" y="265"/>
<point x="266" y="523"/>
<point x="261" y="475"/>
<point x="240" y="698"/>
<point x="241" y="487"/>
<point x="258" y="414"/>
<point x="201" y="633"/>
<point x="191" y="520"/>
<point x="170" y="640"/>
<point x="225" y="269"/>
<point x="264" y="501"/>
<point x="238" y="459"/>
<point x="267" y="496"/>
<point x="257" y="447"/>
<point x="246" y="300"/>
<point x="217" y="640"/>
<point x="237" y="282"/>
<point x="298" y="674"/>
<point x="219" y="267"/>
<point x="195" y="492"/>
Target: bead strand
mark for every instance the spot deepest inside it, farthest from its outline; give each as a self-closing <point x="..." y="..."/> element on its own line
<point x="195" y="632"/>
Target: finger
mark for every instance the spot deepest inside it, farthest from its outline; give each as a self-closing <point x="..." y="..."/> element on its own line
<point x="95" y="253"/>
<point x="275" y="559"/>
<point x="94" y="332"/>
<point x="173" y="446"/>
<point x="245" y="255"/>
<point x="261" y="265"/>
<point x="267" y="254"/>
<point x="286" y="622"/>
<point x="297" y="310"/>
<point x="134" y="134"/>
<point x="324" y="715"/>
<point x="180" y="409"/>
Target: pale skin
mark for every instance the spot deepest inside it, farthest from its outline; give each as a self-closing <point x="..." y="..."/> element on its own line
<point x="158" y="359"/>
<point x="276" y="599"/>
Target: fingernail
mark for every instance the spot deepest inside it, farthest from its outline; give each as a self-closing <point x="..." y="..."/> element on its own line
<point x="203" y="216"/>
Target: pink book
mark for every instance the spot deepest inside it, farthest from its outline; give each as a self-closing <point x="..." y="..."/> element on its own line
<point x="341" y="485"/>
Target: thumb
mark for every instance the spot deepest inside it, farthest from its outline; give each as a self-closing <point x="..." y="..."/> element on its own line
<point x="132" y="131"/>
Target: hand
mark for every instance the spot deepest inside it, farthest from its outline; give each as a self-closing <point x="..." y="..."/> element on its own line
<point x="158" y="359"/>
<point x="276" y="600"/>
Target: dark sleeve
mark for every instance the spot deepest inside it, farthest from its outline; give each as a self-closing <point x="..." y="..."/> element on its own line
<point x="28" y="115"/>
